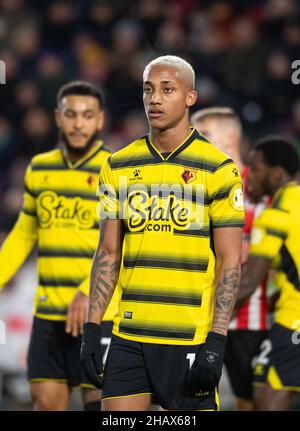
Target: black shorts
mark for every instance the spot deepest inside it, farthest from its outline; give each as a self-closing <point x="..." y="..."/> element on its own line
<point x="134" y="368"/>
<point x="241" y="348"/>
<point x="55" y="355"/>
<point x="279" y="360"/>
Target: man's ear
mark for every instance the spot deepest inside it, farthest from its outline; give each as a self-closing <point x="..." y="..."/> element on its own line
<point x="277" y="172"/>
<point x="57" y="117"/>
<point x="101" y="120"/>
<point x="191" y="98"/>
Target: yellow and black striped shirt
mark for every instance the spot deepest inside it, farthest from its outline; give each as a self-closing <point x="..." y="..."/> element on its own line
<point x="275" y="236"/>
<point x="170" y="206"/>
<point x="59" y="211"/>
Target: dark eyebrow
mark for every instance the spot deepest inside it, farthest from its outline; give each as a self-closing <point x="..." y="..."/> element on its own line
<point x="162" y="82"/>
<point x="84" y="112"/>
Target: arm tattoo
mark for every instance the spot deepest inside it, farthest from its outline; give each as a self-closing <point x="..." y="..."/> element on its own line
<point x="104" y="275"/>
<point x="225" y="296"/>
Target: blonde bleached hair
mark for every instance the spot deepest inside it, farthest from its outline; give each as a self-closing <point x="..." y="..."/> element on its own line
<point x="177" y="63"/>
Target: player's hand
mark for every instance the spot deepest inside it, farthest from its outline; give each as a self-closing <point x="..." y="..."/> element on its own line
<point x="77" y="312"/>
<point x="91" y="359"/>
<point x="206" y="370"/>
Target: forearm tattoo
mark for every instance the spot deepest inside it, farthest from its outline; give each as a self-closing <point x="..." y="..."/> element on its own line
<point x="225" y="297"/>
<point x="104" y="274"/>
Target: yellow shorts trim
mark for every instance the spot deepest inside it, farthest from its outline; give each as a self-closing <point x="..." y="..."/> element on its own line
<point x="127" y="396"/>
<point x="87" y="386"/>
<point x="274" y="381"/>
<point x="40" y="380"/>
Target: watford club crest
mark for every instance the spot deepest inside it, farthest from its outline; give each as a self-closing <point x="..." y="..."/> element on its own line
<point x="188" y="176"/>
<point x="90" y="180"/>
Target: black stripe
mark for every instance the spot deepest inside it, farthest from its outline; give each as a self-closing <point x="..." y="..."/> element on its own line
<point x="222" y="193"/>
<point x="90" y="158"/>
<point x="71" y="194"/>
<point x="154" y="153"/>
<point x="227" y="224"/>
<point x="201" y="233"/>
<point x="193" y="136"/>
<point x="48" y="252"/>
<point x="28" y="212"/>
<point x="277" y="233"/>
<point x="43" y="167"/>
<point x="51" y="310"/>
<point x="90" y="170"/>
<point x="132" y="162"/>
<point x="59" y="282"/>
<point x="178" y="334"/>
<point x="226" y="162"/>
<point x="165" y="264"/>
<point x="276" y="203"/>
<point x="198" y="164"/>
<point x="164" y="299"/>
<point x="27" y="190"/>
<point x="49" y="167"/>
<point x="289" y="267"/>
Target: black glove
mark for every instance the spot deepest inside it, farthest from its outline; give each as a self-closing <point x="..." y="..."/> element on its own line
<point x="206" y="370"/>
<point x="91" y="359"/>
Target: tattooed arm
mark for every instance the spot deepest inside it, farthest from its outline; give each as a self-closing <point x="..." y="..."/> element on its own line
<point x="228" y="245"/>
<point x="105" y="268"/>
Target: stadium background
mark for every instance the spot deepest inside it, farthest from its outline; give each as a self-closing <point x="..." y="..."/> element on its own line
<point x="242" y="52"/>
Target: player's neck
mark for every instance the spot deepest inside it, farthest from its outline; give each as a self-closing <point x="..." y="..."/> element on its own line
<point x="285" y="179"/>
<point x="166" y="141"/>
<point x="235" y="155"/>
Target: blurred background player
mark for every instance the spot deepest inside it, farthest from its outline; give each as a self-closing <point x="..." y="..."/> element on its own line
<point x="222" y="127"/>
<point x="59" y="213"/>
<point x="275" y="241"/>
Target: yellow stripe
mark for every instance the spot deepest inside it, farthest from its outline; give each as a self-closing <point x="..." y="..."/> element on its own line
<point x="127" y="396"/>
<point x="40" y="380"/>
<point x="87" y="386"/>
<point x="277" y="384"/>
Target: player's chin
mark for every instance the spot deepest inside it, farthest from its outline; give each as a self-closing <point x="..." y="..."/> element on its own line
<point x="78" y="144"/>
<point x="159" y="123"/>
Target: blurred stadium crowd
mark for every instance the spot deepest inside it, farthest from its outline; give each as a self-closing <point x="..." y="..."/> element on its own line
<point x="242" y="53"/>
<point x="241" y="50"/>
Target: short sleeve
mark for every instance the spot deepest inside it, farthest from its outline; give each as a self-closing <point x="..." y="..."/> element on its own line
<point x="269" y="232"/>
<point x="108" y="194"/>
<point x="226" y="197"/>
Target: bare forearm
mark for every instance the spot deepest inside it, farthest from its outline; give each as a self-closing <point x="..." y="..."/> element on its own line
<point x="225" y="296"/>
<point x="246" y="289"/>
<point x="104" y="275"/>
<point x="253" y="273"/>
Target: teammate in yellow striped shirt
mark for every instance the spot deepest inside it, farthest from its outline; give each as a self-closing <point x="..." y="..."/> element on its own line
<point x="171" y="227"/>
<point x="59" y="213"/>
<point x="275" y="242"/>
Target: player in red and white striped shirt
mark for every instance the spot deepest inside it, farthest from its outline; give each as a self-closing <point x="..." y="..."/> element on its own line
<point x="222" y="127"/>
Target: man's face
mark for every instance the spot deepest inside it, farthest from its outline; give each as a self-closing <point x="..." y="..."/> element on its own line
<point x="219" y="133"/>
<point x="259" y="176"/>
<point x="79" y="118"/>
<point x="166" y="97"/>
